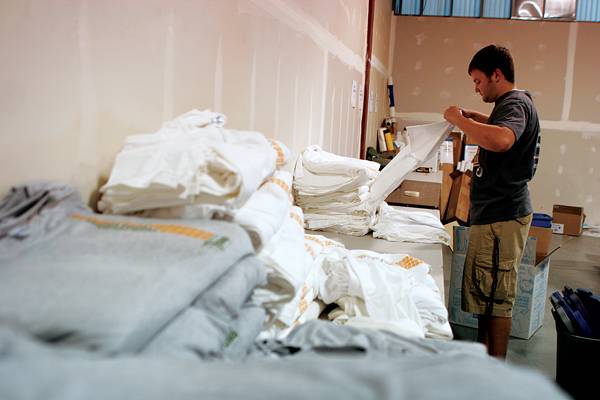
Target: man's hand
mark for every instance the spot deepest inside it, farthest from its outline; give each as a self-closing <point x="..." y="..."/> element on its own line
<point x="453" y="114"/>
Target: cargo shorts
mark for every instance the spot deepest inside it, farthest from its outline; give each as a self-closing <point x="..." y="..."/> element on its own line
<point x="479" y="276"/>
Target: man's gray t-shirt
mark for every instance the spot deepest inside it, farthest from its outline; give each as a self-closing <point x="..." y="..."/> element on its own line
<point x="499" y="187"/>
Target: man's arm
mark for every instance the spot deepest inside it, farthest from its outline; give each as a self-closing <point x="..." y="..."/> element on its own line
<point x="491" y="137"/>
<point x="475" y="115"/>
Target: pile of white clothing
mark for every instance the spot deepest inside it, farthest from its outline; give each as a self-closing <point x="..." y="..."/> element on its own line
<point x="343" y="194"/>
<point x="266" y="209"/>
<point x="369" y="292"/>
<point x="393" y="292"/>
<point x="191" y="161"/>
<point x="287" y="262"/>
<point x="333" y="191"/>
<point x="401" y="225"/>
<point x="402" y="272"/>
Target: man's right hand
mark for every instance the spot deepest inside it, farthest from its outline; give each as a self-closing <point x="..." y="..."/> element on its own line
<point x="453" y="114"/>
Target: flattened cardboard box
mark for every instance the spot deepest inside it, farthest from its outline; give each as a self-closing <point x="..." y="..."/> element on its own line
<point x="532" y="284"/>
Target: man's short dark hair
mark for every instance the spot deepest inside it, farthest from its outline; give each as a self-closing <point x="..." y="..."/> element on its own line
<point x="491" y="57"/>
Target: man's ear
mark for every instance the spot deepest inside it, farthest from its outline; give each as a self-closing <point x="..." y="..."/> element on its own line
<point x="497" y="75"/>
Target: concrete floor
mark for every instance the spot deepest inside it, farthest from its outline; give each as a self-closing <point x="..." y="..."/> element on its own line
<point x="577" y="264"/>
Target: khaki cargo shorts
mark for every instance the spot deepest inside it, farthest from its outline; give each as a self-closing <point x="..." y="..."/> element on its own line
<point x="478" y="276"/>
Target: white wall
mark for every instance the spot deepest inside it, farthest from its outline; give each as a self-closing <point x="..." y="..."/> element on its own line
<point x="77" y="76"/>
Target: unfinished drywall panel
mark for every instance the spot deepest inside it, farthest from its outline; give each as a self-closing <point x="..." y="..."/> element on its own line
<point x="586" y="85"/>
<point x="432" y="55"/>
<point x="379" y="107"/>
<point x="43" y="107"/>
<point x="341" y="125"/>
<point x="82" y="75"/>
<point x="127" y="55"/>
<point x="568" y="173"/>
<point x="194" y="62"/>
<point x="344" y="19"/>
<point x="381" y="36"/>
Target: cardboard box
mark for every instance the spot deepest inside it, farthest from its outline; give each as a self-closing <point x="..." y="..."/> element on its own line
<point x="567" y="220"/>
<point x="446" y="169"/>
<point x="460" y="198"/>
<point x="457" y="145"/>
<point x="416" y="193"/>
<point x="544" y="237"/>
<point x="532" y="283"/>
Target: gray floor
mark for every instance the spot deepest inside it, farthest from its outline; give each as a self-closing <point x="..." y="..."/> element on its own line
<point x="577" y="264"/>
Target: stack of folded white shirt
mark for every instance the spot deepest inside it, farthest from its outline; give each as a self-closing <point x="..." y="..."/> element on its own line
<point x="190" y="161"/>
<point x="403" y="225"/>
<point x="333" y="191"/>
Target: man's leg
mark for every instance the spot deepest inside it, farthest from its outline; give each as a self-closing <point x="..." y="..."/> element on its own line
<point x="483" y="327"/>
<point x="498" y="334"/>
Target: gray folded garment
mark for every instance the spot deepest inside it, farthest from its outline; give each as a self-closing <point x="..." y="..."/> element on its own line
<point x="31" y="371"/>
<point x="221" y="316"/>
<point x="47" y="202"/>
<point x="110" y="283"/>
<point x="325" y="337"/>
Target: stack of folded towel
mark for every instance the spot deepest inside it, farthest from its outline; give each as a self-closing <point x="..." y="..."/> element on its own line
<point x="191" y="161"/>
<point x="333" y="191"/>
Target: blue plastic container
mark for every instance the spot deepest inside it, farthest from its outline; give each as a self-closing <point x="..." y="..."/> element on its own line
<point x="541" y="220"/>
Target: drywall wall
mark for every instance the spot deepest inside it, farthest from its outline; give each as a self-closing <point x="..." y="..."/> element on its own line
<point x="77" y="76"/>
<point x="556" y="61"/>
<point x="380" y="70"/>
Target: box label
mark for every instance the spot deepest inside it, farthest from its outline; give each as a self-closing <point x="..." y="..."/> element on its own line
<point x="558" y="228"/>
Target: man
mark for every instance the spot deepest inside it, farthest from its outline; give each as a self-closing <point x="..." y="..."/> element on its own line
<point x="501" y="210"/>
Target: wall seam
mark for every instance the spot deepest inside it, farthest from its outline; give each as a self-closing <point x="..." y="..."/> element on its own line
<point x="301" y="22"/>
<point x="568" y="96"/>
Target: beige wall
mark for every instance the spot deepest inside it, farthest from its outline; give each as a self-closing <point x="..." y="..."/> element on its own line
<point x="380" y="70"/>
<point x="557" y="62"/>
<point x="78" y="76"/>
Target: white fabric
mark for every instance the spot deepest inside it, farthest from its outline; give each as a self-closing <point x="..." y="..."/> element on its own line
<point x="333" y="191"/>
<point x="283" y="153"/>
<point x="324" y="163"/>
<point x="316" y="245"/>
<point x="398" y="225"/>
<point x="310" y="183"/>
<point x="384" y="290"/>
<point x="266" y="209"/>
<point x="186" y="163"/>
<point x="422" y="290"/>
<point x="292" y="311"/>
<point x="194" y="119"/>
<point x="393" y="292"/>
<point x="356" y="225"/>
<point x="427" y="298"/>
<point x="288" y="264"/>
<point x="422" y="142"/>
